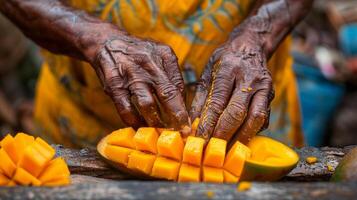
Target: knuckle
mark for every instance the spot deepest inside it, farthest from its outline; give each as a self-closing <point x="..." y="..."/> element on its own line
<point x="146" y="103"/>
<point x="260" y="115"/>
<point x="167" y="91"/>
<point x="237" y="111"/>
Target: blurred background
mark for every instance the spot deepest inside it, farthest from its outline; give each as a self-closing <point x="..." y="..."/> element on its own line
<point x="325" y="52"/>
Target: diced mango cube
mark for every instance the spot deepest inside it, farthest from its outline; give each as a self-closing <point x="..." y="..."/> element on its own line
<point x="24" y="178"/>
<point x="35" y="158"/>
<point x="141" y="161"/>
<point x="11" y="183"/>
<point x="3" y="180"/>
<point x="215" y="152"/>
<point x="193" y="150"/>
<point x="160" y="130"/>
<point x="194" y="126"/>
<point x="118" y="154"/>
<point x="7" y="166"/>
<point x="122" y="137"/>
<point x="235" y="159"/>
<point x="189" y="173"/>
<point x="59" y="182"/>
<point x="56" y="169"/>
<point x="213" y="175"/>
<point x="44" y="148"/>
<point x="11" y="148"/>
<point x="229" y="178"/>
<point x="145" y="139"/>
<point x="23" y="140"/>
<point x="170" y="144"/>
<point x="165" y="168"/>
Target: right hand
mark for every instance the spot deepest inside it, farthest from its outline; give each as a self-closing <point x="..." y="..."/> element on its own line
<point x="136" y="73"/>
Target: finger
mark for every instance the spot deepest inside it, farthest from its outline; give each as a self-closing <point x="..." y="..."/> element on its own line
<point x="146" y="104"/>
<point x="257" y="116"/>
<point x="218" y="97"/>
<point x="234" y="114"/>
<point x="171" y="67"/>
<point x="169" y="96"/>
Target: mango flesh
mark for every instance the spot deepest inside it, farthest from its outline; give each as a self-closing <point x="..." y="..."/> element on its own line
<point x="168" y="156"/>
<point x="29" y="161"/>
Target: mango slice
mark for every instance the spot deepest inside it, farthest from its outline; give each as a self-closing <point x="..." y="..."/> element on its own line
<point x="189" y="173"/>
<point x="194" y="126"/>
<point x="3" y="180"/>
<point x="213" y="175"/>
<point x="193" y="150"/>
<point x="165" y="168"/>
<point x="215" y="152"/>
<point x="229" y="178"/>
<point x="23" y="140"/>
<point x="8" y="144"/>
<point x="57" y="169"/>
<point x="24" y="178"/>
<point x="7" y="166"/>
<point x="145" y="139"/>
<point x="234" y="162"/>
<point x="118" y="154"/>
<point x="170" y="144"/>
<point x="141" y="162"/>
<point x="122" y="137"/>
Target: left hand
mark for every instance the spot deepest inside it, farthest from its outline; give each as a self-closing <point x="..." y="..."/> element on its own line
<point x="235" y="91"/>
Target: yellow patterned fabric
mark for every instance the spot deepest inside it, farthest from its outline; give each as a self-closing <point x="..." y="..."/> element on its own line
<point x="71" y="107"/>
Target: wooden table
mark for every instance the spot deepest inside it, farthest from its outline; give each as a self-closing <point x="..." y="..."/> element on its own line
<point x="94" y="179"/>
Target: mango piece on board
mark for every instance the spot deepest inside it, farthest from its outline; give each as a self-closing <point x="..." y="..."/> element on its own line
<point x="215" y="153"/>
<point x="165" y="168"/>
<point x="56" y="169"/>
<point x="229" y="178"/>
<point x="170" y="144"/>
<point x="213" y="175"/>
<point x="141" y="161"/>
<point x="7" y="165"/>
<point x="24" y="178"/>
<point x="193" y="150"/>
<point x="145" y="139"/>
<point x="59" y="182"/>
<point x="3" y="180"/>
<point x="235" y="159"/>
<point x="118" y="154"/>
<point x="122" y="137"/>
<point x="189" y="173"/>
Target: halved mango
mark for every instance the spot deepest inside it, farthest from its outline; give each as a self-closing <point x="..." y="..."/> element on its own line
<point x="165" y="168"/>
<point x="145" y="139"/>
<point x="229" y="178"/>
<point x="142" y="162"/>
<point x="24" y="178"/>
<point x="212" y="174"/>
<point x="189" y="173"/>
<point x="193" y="150"/>
<point x="170" y="144"/>
<point x="122" y="137"/>
<point x="235" y="160"/>
<point x="215" y="152"/>
<point x="118" y="154"/>
<point x="56" y="169"/>
<point x="6" y="164"/>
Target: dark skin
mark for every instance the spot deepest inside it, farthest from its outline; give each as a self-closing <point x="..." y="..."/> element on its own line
<point x="235" y="90"/>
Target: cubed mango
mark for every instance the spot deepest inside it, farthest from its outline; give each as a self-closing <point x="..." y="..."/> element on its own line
<point x="170" y="144"/>
<point x="215" y="153"/>
<point x="189" y="173"/>
<point x="212" y="174"/>
<point x="145" y="139"/>
<point x="165" y="168"/>
<point x="235" y="159"/>
<point x="122" y="137"/>
<point x="229" y="178"/>
<point x="24" y="178"/>
<point x="193" y="150"/>
<point x="7" y="166"/>
<point x="10" y="147"/>
<point x="141" y="161"/>
<point x="118" y="154"/>
<point x="56" y="169"/>
<point x="3" y="180"/>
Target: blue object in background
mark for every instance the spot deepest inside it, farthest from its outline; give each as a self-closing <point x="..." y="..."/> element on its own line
<point x="319" y="99"/>
<point x="348" y="39"/>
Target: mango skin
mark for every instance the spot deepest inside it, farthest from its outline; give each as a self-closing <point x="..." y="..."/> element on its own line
<point x="256" y="172"/>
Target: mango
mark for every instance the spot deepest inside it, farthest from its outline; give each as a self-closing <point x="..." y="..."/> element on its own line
<point x="215" y="152"/>
<point x="193" y="150"/>
<point x="145" y="139"/>
<point x="118" y="154"/>
<point x="229" y="178"/>
<point x="235" y="160"/>
<point x="165" y="168"/>
<point x="28" y="161"/>
<point x="170" y="144"/>
<point x="189" y="173"/>
<point x="213" y="175"/>
<point x="141" y="162"/>
<point x="122" y="137"/>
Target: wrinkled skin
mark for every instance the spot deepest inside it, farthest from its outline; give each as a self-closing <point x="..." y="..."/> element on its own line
<point x="235" y="91"/>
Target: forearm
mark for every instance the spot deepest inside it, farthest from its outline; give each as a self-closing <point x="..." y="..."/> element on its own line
<point x="58" y="27"/>
<point x="270" y="21"/>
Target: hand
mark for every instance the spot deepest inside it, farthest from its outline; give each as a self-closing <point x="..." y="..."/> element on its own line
<point x="134" y="72"/>
<point x="234" y="94"/>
